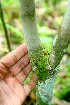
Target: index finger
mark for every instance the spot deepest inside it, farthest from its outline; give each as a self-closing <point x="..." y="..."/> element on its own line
<point x="12" y="57"/>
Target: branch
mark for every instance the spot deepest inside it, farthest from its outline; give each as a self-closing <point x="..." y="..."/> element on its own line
<point x="61" y="41"/>
<point x="4" y="26"/>
<point x="36" y="50"/>
<point x="27" y="14"/>
<point x="60" y="44"/>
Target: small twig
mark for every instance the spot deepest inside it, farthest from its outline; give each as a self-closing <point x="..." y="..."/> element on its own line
<point x="4" y="26"/>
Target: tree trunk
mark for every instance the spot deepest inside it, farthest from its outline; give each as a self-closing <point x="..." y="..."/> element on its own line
<point x="46" y="67"/>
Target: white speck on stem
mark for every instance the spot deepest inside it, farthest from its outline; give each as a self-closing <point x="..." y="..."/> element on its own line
<point x="52" y="55"/>
<point x="65" y="50"/>
<point x="54" y="42"/>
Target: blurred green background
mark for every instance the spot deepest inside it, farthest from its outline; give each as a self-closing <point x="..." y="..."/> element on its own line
<point x="49" y="15"/>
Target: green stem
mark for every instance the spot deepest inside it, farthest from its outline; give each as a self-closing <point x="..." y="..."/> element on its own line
<point x="4" y="26"/>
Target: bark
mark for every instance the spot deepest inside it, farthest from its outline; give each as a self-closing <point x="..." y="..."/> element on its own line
<point x="34" y="45"/>
<point x="44" y="67"/>
<point x="27" y="14"/>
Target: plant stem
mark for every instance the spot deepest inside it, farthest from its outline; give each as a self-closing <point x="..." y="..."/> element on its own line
<point x="61" y="40"/>
<point x="60" y="44"/>
<point x="4" y="26"/>
<point x="36" y="52"/>
<point x="27" y="14"/>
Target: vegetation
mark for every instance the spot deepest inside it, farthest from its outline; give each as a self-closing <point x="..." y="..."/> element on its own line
<point x="48" y="20"/>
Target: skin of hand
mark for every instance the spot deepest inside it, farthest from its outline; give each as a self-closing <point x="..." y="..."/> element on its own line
<point x="14" y="68"/>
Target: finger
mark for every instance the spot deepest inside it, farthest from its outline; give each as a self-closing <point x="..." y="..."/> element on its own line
<point x="31" y="85"/>
<point x="15" y="69"/>
<point x="3" y="70"/>
<point x="1" y="77"/>
<point x="23" y="74"/>
<point x="12" y="57"/>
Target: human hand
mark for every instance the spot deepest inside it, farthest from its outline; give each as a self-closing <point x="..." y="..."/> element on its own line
<point x="14" y="68"/>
